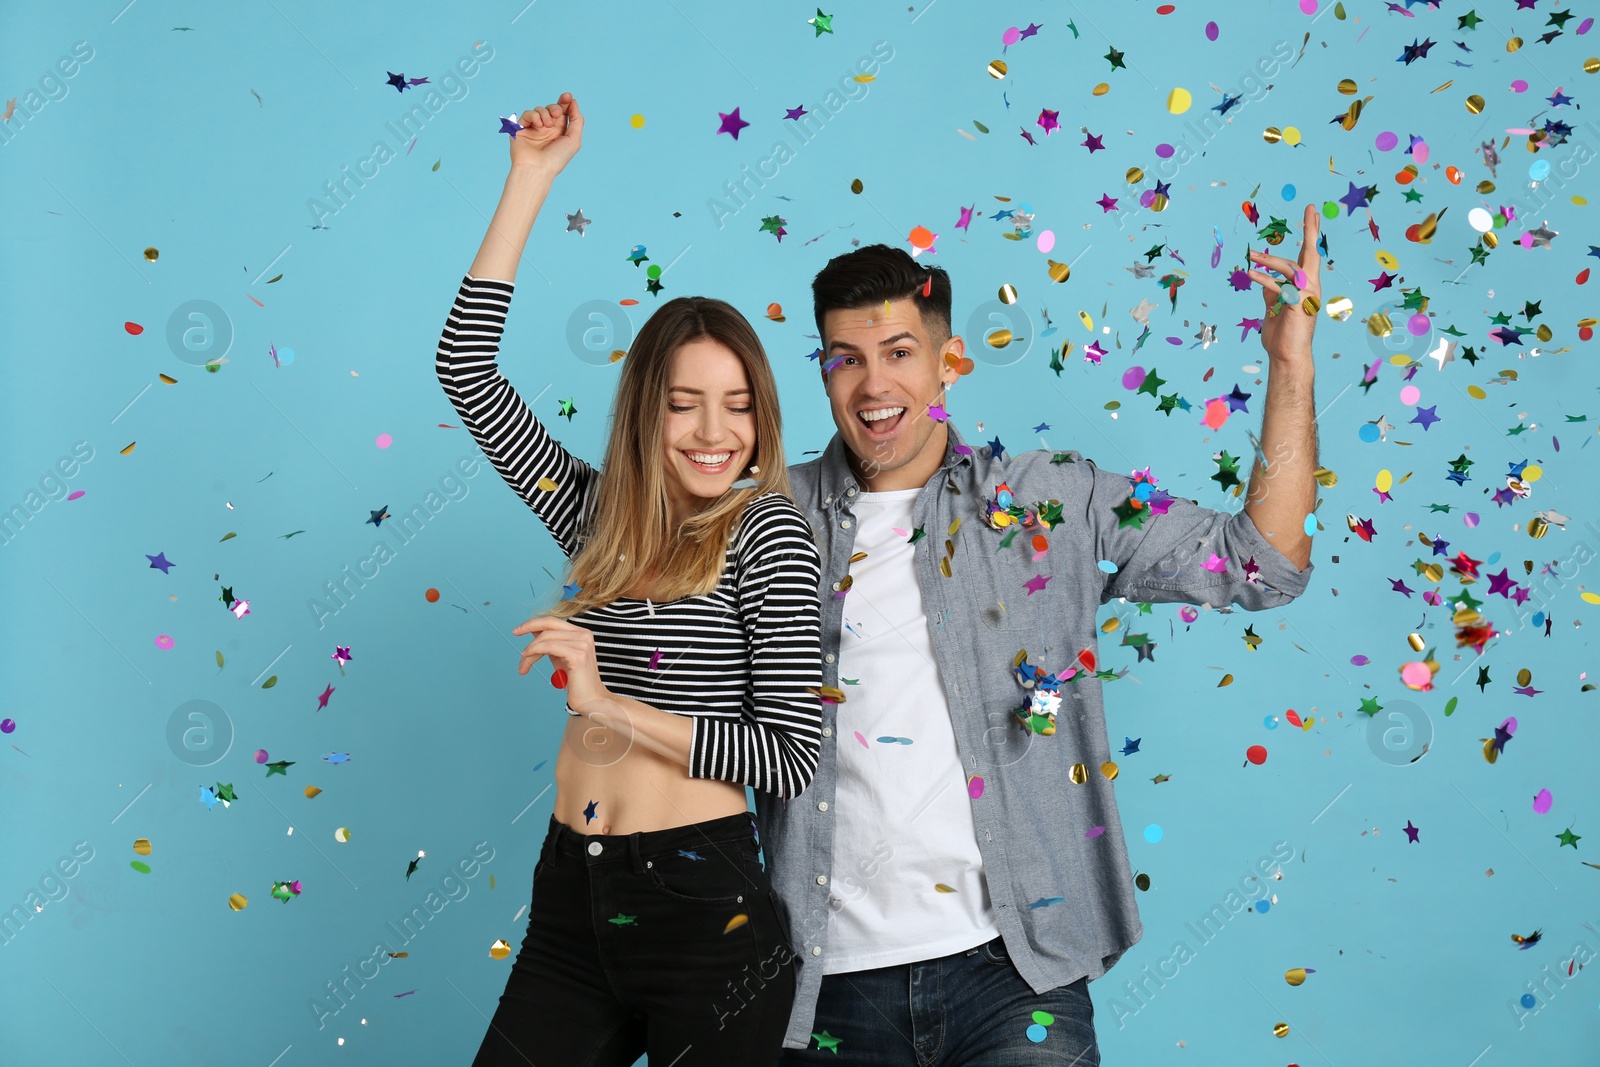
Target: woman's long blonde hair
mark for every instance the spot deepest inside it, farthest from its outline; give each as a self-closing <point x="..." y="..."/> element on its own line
<point x="626" y="539"/>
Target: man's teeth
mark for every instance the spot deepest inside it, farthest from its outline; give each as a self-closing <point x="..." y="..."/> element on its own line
<point x="881" y="414"/>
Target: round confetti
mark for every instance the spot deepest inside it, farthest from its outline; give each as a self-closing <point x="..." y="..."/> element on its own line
<point x="7" y="725"/>
<point x="1295" y="975"/>
<point x="559" y="678"/>
<point x="142" y="846"/>
<point x="1178" y="101"/>
<point x="1142" y="882"/>
<point x="1470" y="519"/>
<point x="499" y="950"/>
<point x="653" y="270"/>
<point x="1270" y="722"/>
<point x="285" y="356"/>
<point x="1416" y="675"/>
<point x="152" y="254"/>
<point x="1532" y="473"/>
<point x="77" y="493"/>
<point x="133" y="328"/>
<point x="1164" y="150"/>
<point x="1036" y="1033"/>
<point x="261" y="755"/>
<point x="1011" y="37"/>
<point x="1308" y="7"/>
<point x="921" y="237"/>
<point x="1368" y="432"/>
<point x="1107" y="566"/>
<point x="342" y="835"/>
<point x="238" y="902"/>
<point x="1409" y="397"/>
<point x="1542" y="801"/>
<point x="1359" y="660"/>
<point x="1047" y="240"/>
<point x="1385" y="141"/>
<point x="164" y="642"/>
<point x="1527" y="1000"/>
<point x="140" y="866"/>
<point x="1288" y="192"/>
<point x="1519" y="86"/>
<point x="384" y="440"/>
<point x="1280" y="1029"/>
<point x="1153" y="833"/>
<point x="1133" y="377"/>
<point x="975" y="786"/>
<point x="1262" y="905"/>
<point x="1539" y="170"/>
<point x="1211" y="31"/>
<point x="1188" y="613"/>
<point x="312" y="792"/>
<point x="636" y="121"/>
<point x="1256" y="754"/>
<point x="1384" y="481"/>
<point x="432" y="596"/>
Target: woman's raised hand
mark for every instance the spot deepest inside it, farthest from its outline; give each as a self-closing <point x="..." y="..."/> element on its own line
<point x="550" y="136"/>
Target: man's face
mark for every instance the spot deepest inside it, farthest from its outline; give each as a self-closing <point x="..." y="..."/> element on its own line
<point x="886" y="366"/>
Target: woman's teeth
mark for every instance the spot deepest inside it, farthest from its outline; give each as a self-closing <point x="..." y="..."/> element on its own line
<point x="709" y="460"/>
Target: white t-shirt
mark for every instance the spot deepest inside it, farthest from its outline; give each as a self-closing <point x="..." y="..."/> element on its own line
<point x="904" y="816"/>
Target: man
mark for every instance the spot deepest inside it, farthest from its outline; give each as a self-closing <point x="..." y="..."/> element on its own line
<point x="958" y="863"/>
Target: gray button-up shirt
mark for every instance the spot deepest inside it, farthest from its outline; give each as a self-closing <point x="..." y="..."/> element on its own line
<point x="1062" y="893"/>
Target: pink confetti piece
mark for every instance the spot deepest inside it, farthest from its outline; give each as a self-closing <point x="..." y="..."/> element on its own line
<point x="863" y="740"/>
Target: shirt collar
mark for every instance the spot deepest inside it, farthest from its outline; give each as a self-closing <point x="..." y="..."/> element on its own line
<point x="837" y="477"/>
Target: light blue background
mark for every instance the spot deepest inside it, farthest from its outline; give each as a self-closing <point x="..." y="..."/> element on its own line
<point x="158" y="142"/>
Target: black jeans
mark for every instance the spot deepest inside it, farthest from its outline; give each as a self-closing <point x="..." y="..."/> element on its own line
<point x="667" y="942"/>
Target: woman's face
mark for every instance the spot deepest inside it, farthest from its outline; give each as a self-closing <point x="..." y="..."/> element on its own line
<point x="710" y="416"/>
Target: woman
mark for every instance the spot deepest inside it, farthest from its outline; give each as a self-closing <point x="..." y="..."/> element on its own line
<point x="688" y="643"/>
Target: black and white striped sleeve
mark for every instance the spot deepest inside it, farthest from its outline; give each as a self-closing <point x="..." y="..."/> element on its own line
<point x="507" y="431"/>
<point x="775" y="743"/>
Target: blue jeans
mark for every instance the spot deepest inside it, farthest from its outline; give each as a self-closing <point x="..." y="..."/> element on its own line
<point x="968" y="1009"/>
<point x="666" y="942"/>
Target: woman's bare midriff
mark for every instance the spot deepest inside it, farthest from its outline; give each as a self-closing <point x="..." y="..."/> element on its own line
<point x="635" y="791"/>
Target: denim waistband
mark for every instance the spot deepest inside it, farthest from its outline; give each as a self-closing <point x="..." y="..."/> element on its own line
<point x="730" y="830"/>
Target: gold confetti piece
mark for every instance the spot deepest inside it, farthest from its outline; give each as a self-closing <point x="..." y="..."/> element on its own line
<point x="998" y="339"/>
<point x="846" y="583"/>
<point x="342" y="835"/>
<point x="499" y="950"/>
<point x="227" y="536"/>
<point x="238" y="902"/>
<point x="270" y="682"/>
<point x="865" y="78"/>
<point x="856" y="186"/>
<point x="736" y="922"/>
<point x="1059" y="272"/>
<point x="1514" y="44"/>
<point x="1524" y="677"/>
<point x="1109" y="769"/>
<point x="1227" y="679"/>
<point x="1079" y="774"/>
<point x="944" y="568"/>
<point x="271" y="280"/>
<point x="942" y="888"/>
<point x="142" y="846"/>
<point x="1378" y="324"/>
<point x="151" y="254"/>
<point x="125" y="451"/>
<point x="1110" y="624"/>
<point x="436" y="163"/>
<point x="1143" y="882"/>
<point x="399" y="955"/>
<point x="1433" y="572"/>
<point x="1101" y="89"/>
<point x="997" y="69"/>
<point x="949" y="549"/>
<point x="1340" y="308"/>
<point x="1537" y="527"/>
<point x="1475" y="104"/>
<point x="1325" y="477"/>
<point x="1347" y="86"/>
<point x="858" y="557"/>
<point x="954" y="526"/>
<point x="169" y="380"/>
<point x="312" y="791"/>
<point x="1445" y="86"/>
<point x="1415" y="641"/>
<point x="1280" y="1029"/>
<point x="1134" y="176"/>
<point x="219" y="657"/>
<point x="549" y="485"/>
<point x="1295" y="975"/>
<point x="1008" y="294"/>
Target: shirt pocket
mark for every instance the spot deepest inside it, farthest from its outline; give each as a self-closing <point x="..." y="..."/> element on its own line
<point x="997" y="579"/>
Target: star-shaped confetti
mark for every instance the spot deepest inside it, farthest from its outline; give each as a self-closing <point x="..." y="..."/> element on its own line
<point x="1412" y="832"/>
<point x="568" y="409"/>
<point x="731" y="123"/>
<point x="160" y="562"/>
<point x="578" y="222"/>
<point x="822" y="23"/>
<point x="279" y="767"/>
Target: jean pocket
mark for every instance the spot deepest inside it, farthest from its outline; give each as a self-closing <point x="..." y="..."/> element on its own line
<point x="995" y="952"/>
<point x="727" y="874"/>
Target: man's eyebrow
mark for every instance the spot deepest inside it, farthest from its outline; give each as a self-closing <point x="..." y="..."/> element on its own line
<point x="701" y="392"/>
<point x="903" y="335"/>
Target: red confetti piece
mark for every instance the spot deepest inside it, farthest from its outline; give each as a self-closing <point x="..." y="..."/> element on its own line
<point x="559" y="678"/>
<point x="1256" y="754"/>
<point x="135" y="329"/>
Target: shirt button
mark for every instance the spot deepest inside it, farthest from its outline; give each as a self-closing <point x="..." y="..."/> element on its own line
<point x="595" y="848"/>
<point x="850" y="491"/>
<point x="828" y="658"/>
<point x="844" y="523"/>
<point x="822" y="879"/>
<point x="822" y="805"/>
<point x="816" y="950"/>
<point x="827" y="731"/>
<point x="836" y="586"/>
<point x="828" y="499"/>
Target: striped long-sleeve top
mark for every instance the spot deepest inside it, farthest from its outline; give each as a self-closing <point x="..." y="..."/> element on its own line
<point x="739" y="659"/>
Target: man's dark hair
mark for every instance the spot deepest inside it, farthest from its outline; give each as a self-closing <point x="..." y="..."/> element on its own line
<point x="874" y="273"/>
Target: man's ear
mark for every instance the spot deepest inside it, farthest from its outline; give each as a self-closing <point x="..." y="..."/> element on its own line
<point x="957" y="347"/>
